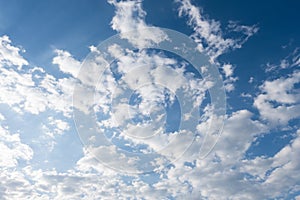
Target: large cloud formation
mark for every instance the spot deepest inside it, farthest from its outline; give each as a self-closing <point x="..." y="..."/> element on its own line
<point x="29" y="92"/>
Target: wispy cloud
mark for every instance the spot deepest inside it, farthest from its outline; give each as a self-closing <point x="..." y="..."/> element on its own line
<point x="208" y="33"/>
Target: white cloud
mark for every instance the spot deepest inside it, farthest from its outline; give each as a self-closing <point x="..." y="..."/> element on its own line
<point x="66" y="62"/>
<point x="218" y="175"/>
<point x="2" y="118"/>
<point x="51" y="129"/>
<point x="286" y="165"/>
<point x="228" y="70"/>
<point x="226" y="173"/>
<point x="12" y="149"/>
<point x="208" y="33"/>
<point x="277" y="175"/>
<point x="292" y="60"/>
<point x="211" y="179"/>
<point x="251" y="79"/>
<point x="148" y="75"/>
<point x="9" y="55"/>
<point x="280" y="100"/>
<point x="281" y="90"/>
<point x="33" y="90"/>
<point x="129" y="21"/>
<point x="210" y="38"/>
<point x="22" y="94"/>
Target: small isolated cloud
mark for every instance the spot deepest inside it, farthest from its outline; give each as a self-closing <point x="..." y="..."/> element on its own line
<point x="230" y="79"/>
<point x="228" y="70"/>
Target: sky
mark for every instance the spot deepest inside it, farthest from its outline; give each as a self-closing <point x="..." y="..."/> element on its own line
<point x="148" y="99"/>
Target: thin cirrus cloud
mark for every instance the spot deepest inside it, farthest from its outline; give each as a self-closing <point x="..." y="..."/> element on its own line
<point x="226" y="173"/>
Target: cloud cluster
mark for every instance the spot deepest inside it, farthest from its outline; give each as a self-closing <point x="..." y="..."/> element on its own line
<point x="227" y="172"/>
<point x="135" y="92"/>
<point x="32" y="89"/>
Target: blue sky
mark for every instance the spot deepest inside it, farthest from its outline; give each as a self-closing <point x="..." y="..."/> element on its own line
<point x="191" y="99"/>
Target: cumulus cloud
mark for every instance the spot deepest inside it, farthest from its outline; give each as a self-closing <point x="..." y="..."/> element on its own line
<point x="155" y="80"/>
<point x="9" y="54"/>
<point x="225" y="173"/>
<point x="230" y="78"/>
<point x="23" y="94"/>
<point x="129" y="21"/>
<point x="279" y="101"/>
<point x="209" y="177"/>
<point x="32" y="90"/>
<point x="284" y="177"/>
<point x="228" y="173"/>
<point x="66" y="62"/>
